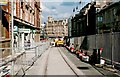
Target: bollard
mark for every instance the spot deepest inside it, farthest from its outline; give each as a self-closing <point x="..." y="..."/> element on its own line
<point x="96" y="56"/>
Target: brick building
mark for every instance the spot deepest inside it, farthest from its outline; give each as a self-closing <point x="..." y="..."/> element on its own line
<point x="26" y="22"/>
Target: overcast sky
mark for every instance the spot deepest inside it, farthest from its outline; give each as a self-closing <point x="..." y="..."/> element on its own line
<point x="59" y="9"/>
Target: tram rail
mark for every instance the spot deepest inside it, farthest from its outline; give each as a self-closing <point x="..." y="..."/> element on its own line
<point x="65" y="59"/>
<point x="69" y="65"/>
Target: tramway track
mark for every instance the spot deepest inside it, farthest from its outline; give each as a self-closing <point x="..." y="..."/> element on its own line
<point x="67" y="63"/>
<point x="46" y="64"/>
<point x="53" y="62"/>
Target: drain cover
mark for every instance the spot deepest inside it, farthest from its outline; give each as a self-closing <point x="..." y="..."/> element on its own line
<point x="83" y="68"/>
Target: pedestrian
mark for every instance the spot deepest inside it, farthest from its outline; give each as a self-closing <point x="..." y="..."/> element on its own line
<point x="15" y="43"/>
<point x="25" y="43"/>
<point x="28" y="43"/>
<point x="72" y="45"/>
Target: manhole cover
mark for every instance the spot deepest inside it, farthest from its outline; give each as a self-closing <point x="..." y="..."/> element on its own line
<point x="83" y="68"/>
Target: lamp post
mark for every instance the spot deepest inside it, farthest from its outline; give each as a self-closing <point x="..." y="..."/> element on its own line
<point x="12" y="36"/>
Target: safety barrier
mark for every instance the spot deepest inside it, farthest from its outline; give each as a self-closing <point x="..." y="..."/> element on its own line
<point x="108" y="41"/>
<point x="22" y="59"/>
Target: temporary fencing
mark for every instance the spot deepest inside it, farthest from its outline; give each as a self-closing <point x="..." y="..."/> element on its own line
<point x="22" y="59"/>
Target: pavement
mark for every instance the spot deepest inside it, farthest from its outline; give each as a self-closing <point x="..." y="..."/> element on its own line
<point x="56" y="64"/>
<point x="22" y="60"/>
<point x="86" y="68"/>
<point x="52" y="63"/>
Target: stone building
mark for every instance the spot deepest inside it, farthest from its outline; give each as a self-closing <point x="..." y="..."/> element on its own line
<point x="56" y="28"/>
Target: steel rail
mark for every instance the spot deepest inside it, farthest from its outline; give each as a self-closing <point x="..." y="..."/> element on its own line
<point x="46" y="65"/>
<point x="68" y="63"/>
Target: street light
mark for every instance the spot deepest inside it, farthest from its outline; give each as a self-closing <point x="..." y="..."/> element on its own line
<point x="12" y="36"/>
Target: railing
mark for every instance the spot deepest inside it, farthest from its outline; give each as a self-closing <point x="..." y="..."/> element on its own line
<point x="22" y="60"/>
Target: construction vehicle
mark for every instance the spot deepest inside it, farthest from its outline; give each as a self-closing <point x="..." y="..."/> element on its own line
<point x="59" y="42"/>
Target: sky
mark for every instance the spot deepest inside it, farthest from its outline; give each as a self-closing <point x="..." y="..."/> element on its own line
<point x="59" y="9"/>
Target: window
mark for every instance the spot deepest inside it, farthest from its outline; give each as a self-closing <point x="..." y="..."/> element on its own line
<point x="15" y="9"/>
<point x="99" y="18"/>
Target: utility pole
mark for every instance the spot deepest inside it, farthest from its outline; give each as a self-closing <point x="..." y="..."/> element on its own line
<point x="12" y="37"/>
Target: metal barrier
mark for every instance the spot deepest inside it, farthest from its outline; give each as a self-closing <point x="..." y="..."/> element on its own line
<point x="23" y="58"/>
<point x="108" y="41"/>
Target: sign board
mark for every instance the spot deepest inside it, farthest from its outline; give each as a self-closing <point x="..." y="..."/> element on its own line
<point x="100" y="19"/>
<point x="24" y="30"/>
<point x="34" y="31"/>
<point x="3" y="2"/>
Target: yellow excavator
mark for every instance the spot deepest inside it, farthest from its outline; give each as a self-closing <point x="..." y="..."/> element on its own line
<point x="59" y="42"/>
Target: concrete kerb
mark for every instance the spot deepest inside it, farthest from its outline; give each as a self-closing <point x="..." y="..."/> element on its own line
<point x="77" y="71"/>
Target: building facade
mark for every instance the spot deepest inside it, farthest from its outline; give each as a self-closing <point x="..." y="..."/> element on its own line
<point x="84" y="22"/>
<point x="26" y="18"/>
<point x="99" y="31"/>
<point x="4" y="29"/>
<point x="56" y="28"/>
<point x="108" y="18"/>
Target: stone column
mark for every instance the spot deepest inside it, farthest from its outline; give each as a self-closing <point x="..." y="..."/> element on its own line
<point x="23" y="40"/>
<point x="18" y="45"/>
<point x="31" y="39"/>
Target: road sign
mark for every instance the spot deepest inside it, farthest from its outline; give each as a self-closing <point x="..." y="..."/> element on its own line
<point x="24" y="30"/>
<point x="34" y="31"/>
